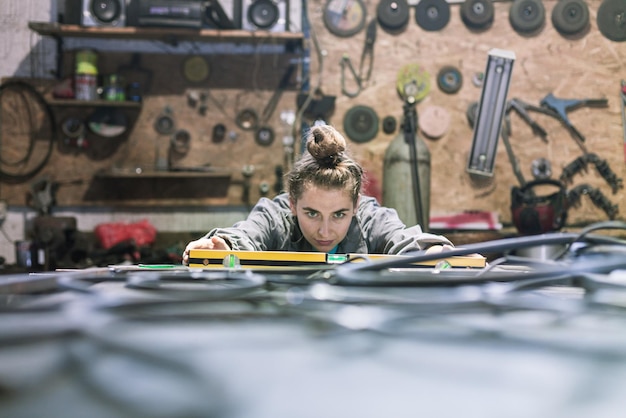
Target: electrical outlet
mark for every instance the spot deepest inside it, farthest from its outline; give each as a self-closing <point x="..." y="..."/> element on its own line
<point x="4" y="209"/>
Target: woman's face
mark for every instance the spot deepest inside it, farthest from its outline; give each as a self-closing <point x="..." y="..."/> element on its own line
<point x="324" y="216"/>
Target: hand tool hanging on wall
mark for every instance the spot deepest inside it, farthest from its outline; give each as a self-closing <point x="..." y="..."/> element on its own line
<point x="562" y="106"/>
<point x="596" y="196"/>
<point x="602" y="166"/>
<point x="367" y="56"/>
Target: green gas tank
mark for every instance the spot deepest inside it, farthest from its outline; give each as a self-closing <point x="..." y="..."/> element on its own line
<point x="399" y="191"/>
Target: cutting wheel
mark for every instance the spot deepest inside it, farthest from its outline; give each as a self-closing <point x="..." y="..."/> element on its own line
<point x="344" y="18"/>
<point x="477" y="14"/>
<point x="361" y="123"/>
<point x="432" y="15"/>
<point x="612" y="20"/>
<point x="393" y="15"/>
<point x="527" y="16"/>
<point x="570" y="17"/>
<point x="449" y="79"/>
<point x="413" y="81"/>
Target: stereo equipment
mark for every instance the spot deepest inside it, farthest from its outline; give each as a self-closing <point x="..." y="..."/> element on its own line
<point x="222" y="14"/>
<point x="270" y="15"/>
<point x="170" y="13"/>
<point x="103" y="13"/>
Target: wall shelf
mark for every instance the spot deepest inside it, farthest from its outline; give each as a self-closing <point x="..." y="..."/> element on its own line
<point x="169" y="35"/>
<point x="93" y="103"/>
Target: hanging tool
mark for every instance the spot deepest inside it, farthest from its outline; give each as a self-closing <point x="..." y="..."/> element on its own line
<point x="562" y="106"/>
<point x="367" y="56"/>
<point x="522" y="109"/>
<point x="623" y="103"/>
<point x="596" y="196"/>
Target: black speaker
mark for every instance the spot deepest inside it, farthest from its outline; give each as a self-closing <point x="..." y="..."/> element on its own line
<point x="104" y="13"/>
<point x="270" y="15"/>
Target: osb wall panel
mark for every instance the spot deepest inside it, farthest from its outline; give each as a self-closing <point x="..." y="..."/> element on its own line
<point x="584" y="68"/>
<point x="589" y="67"/>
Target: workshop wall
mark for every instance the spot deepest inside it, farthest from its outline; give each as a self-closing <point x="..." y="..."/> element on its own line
<point x="588" y="66"/>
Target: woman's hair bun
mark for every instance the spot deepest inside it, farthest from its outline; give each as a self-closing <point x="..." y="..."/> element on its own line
<point x="325" y="144"/>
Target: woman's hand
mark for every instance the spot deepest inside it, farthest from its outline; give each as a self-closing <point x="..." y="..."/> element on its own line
<point x="213" y="243"/>
<point x="439" y="248"/>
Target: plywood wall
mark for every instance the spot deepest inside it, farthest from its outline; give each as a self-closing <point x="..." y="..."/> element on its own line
<point x="584" y="68"/>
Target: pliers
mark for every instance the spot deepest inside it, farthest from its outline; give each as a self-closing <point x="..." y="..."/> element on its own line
<point x="367" y="56"/>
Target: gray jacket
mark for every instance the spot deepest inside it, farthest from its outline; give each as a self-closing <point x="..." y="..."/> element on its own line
<point x="270" y="226"/>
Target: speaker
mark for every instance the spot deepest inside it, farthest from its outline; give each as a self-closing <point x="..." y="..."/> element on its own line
<point x="270" y="15"/>
<point x="104" y="13"/>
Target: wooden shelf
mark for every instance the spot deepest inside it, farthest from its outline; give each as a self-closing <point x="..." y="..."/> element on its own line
<point x="92" y="103"/>
<point x="153" y="174"/>
<point x="169" y="35"/>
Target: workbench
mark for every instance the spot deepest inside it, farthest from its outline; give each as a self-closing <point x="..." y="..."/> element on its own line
<point x="536" y="339"/>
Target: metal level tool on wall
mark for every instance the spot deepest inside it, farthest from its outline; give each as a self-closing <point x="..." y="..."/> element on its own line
<point x="491" y="110"/>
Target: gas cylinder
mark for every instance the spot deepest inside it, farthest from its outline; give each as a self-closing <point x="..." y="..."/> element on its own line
<point x="399" y="190"/>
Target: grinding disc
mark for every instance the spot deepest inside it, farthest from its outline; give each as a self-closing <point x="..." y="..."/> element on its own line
<point x="527" y="16"/>
<point x="264" y="136"/>
<point x="344" y="18"/>
<point x="477" y="14"/>
<point x="612" y="20"/>
<point x="570" y="17"/>
<point x="247" y="119"/>
<point x="449" y="79"/>
<point x="434" y="121"/>
<point x="413" y="81"/>
<point x="361" y="123"/>
<point x="389" y="124"/>
<point x="432" y="15"/>
<point x="195" y="69"/>
<point x="393" y="15"/>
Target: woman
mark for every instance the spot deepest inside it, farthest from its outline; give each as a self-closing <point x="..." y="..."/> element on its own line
<point x="323" y="210"/>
